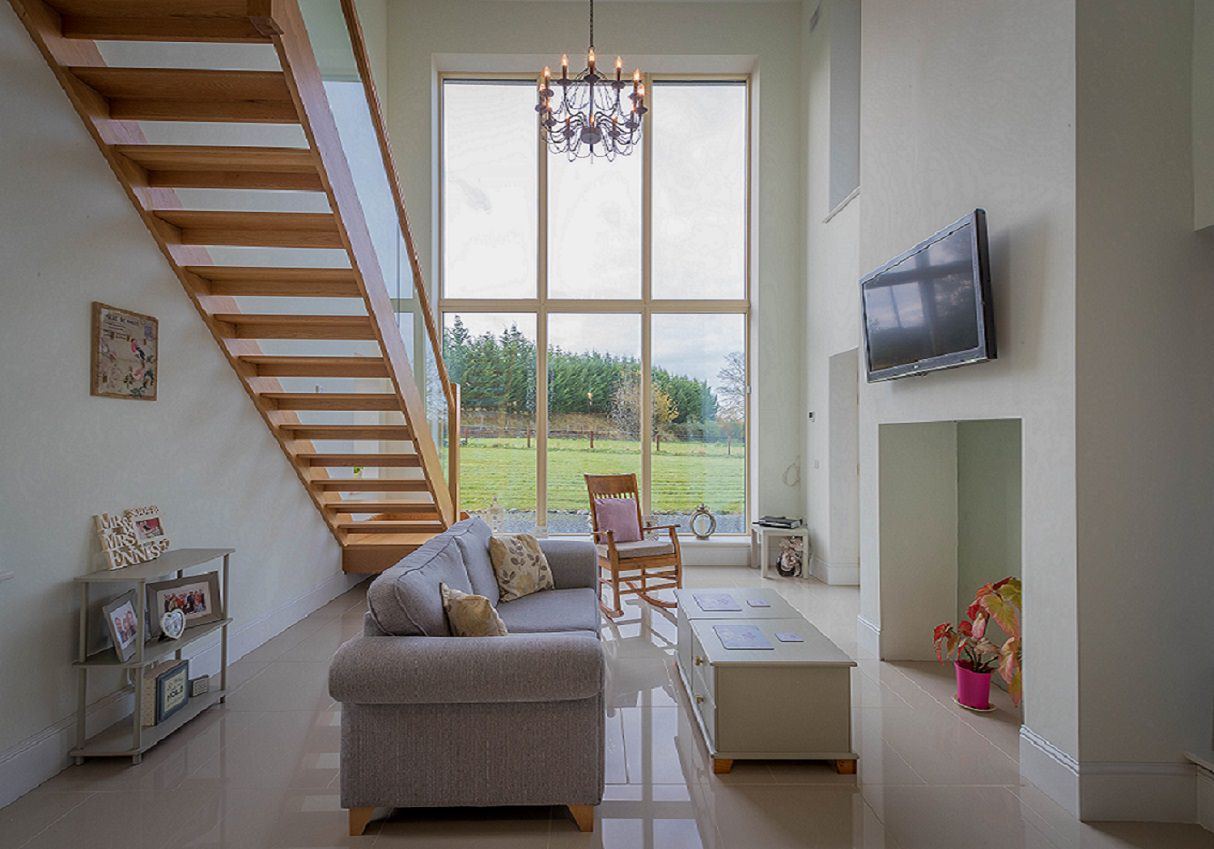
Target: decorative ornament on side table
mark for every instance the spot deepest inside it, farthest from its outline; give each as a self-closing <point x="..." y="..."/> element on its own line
<point x="495" y="516"/>
<point x="589" y="116"/>
<point x="974" y="655"/>
<point x="791" y="557"/>
<point x="702" y="523"/>
<point x="172" y="623"/>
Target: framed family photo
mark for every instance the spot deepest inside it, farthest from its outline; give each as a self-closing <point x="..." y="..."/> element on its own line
<point x="122" y="624"/>
<point x="125" y="360"/>
<point x="196" y="596"/>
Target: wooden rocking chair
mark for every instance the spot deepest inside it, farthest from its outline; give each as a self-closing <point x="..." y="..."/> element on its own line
<point x="641" y="568"/>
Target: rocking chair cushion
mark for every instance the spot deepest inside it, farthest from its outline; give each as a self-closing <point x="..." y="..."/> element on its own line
<point x="618" y="515"/>
<point x="640" y="548"/>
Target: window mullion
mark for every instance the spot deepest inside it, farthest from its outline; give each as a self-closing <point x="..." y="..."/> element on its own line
<point x="541" y="340"/>
<point x="646" y="314"/>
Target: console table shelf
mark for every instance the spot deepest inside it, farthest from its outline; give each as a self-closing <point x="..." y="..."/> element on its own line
<point x="128" y="737"/>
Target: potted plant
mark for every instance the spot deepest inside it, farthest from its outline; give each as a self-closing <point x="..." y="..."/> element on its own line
<point x="974" y="655"/>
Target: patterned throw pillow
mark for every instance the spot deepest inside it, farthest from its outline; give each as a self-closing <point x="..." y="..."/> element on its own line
<point x="519" y="565"/>
<point x="471" y="615"/>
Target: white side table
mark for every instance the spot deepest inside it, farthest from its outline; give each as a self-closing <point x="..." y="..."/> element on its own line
<point x="760" y="540"/>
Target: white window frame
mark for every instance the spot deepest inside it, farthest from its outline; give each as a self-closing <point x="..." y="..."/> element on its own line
<point x="645" y="306"/>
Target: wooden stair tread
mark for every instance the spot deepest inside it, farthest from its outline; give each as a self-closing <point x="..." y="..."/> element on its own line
<point x="158" y="20"/>
<point x="215" y="167"/>
<point x="370" y="484"/>
<point x="383" y="433"/>
<point x="390" y="526"/>
<point x="370" y="461"/>
<point x="267" y="366"/>
<point x="235" y="281"/>
<point x="341" y="401"/>
<point x="250" y="229"/>
<point x="276" y="326"/>
<point x="381" y="505"/>
<point x="191" y="94"/>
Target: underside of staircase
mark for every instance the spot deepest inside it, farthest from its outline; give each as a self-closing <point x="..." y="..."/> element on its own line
<point x="318" y="348"/>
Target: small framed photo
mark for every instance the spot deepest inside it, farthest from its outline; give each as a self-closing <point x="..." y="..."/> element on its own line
<point x="122" y="624"/>
<point x="172" y="690"/>
<point x="197" y="596"/>
<point x="148" y="525"/>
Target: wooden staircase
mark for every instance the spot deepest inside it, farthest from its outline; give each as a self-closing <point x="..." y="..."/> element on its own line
<point x="362" y="445"/>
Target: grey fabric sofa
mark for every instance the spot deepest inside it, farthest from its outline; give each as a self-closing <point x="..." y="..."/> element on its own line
<point x="433" y="720"/>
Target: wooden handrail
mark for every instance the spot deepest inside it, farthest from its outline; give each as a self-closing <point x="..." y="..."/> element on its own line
<point x="303" y="76"/>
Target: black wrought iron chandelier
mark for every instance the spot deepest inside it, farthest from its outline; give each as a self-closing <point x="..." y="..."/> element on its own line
<point x="591" y="115"/>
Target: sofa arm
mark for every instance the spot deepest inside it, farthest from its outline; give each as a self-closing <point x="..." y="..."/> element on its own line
<point x="574" y="563"/>
<point x="463" y="670"/>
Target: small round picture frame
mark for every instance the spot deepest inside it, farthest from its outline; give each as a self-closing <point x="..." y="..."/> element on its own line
<point x="172" y="624"/>
<point x="702" y="523"/>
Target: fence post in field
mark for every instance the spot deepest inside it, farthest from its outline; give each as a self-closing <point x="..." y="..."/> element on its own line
<point x="528" y="436"/>
<point x="592" y="439"/>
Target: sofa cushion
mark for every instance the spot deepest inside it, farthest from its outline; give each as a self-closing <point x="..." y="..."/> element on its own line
<point x="471" y="615"/>
<point x="640" y="548"/>
<point x="406" y="601"/>
<point x="473" y="541"/>
<point x="552" y="610"/>
<point x="519" y="565"/>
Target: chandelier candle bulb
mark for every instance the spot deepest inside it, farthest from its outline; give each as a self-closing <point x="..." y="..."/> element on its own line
<point x="564" y="67"/>
<point x="619" y="68"/>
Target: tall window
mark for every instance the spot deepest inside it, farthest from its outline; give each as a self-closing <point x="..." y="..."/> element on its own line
<point x="594" y="312"/>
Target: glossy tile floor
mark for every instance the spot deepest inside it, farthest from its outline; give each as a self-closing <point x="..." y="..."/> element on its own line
<point x="262" y="771"/>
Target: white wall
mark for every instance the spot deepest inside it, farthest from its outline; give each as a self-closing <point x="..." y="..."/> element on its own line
<point x="200" y="452"/>
<point x="990" y="521"/>
<point x="831" y="313"/>
<point x="963" y="105"/>
<point x="1144" y="414"/>
<point x="430" y="35"/>
<point x="917" y="515"/>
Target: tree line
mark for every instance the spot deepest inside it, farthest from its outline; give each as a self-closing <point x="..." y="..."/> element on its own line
<point x="497" y="372"/>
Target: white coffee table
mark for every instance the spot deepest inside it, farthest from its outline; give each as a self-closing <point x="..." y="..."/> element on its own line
<point x="790" y="702"/>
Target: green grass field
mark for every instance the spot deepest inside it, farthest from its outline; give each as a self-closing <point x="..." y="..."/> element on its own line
<point x="684" y="473"/>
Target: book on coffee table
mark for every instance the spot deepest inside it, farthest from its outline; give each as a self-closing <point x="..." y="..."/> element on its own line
<point x="716" y="602"/>
<point x="740" y="637"/>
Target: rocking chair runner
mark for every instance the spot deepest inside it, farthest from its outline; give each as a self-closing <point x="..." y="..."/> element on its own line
<point x="641" y="568"/>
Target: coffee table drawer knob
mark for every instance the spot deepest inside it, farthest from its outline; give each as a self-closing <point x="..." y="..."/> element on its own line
<point x="699" y="700"/>
<point x="698" y="661"/>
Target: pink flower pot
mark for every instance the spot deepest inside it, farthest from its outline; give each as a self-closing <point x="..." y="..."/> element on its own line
<point x="973" y="688"/>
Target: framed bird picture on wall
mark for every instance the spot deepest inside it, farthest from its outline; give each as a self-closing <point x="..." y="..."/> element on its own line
<point x="125" y="360"/>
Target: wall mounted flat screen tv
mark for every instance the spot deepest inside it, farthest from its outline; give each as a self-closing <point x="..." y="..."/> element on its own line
<point x="930" y="308"/>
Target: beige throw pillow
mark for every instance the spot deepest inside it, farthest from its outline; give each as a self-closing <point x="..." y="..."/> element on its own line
<point x="519" y="565"/>
<point x="471" y="615"/>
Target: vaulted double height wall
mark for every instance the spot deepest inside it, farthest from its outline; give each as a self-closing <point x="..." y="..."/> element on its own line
<point x="1072" y="125"/>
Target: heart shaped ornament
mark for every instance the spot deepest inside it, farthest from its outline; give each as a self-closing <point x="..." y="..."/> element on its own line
<point x="172" y="624"/>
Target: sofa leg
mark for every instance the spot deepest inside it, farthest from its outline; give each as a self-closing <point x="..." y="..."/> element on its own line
<point x="359" y="818"/>
<point x="583" y="815"/>
<point x="722" y="766"/>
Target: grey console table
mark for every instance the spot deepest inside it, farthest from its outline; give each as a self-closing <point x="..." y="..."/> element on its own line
<point x="128" y="737"/>
<point x="790" y="702"/>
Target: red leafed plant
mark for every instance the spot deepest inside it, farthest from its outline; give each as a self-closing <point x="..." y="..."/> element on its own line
<point x="968" y="644"/>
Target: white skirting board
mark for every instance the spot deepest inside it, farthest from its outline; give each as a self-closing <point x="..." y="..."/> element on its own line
<point x="845" y="574"/>
<point x="868" y="638"/>
<point x="1053" y="771"/>
<point x="1205" y="799"/>
<point x="1102" y="791"/>
<point x="42" y="756"/>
